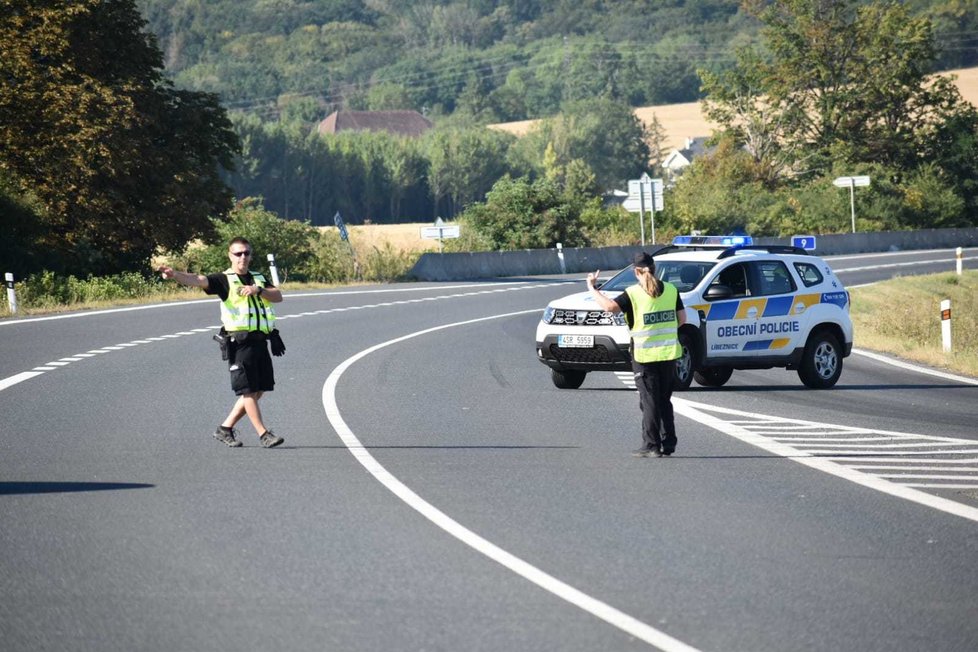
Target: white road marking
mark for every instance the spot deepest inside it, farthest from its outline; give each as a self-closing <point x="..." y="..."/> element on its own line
<point x="561" y="589"/>
<point x="18" y="378"/>
<point x="831" y="460"/>
<point x="51" y="366"/>
<point x="912" y="367"/>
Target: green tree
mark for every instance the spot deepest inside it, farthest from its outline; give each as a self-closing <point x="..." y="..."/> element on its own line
<point x="291" y="242"/>
<point x="121" y="162"/>
<point x="603" y="133"/>
<point x="520" y="214"/>
<point x="840" y="77"/>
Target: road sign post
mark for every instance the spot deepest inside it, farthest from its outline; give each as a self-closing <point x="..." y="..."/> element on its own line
<point x="851" y="183"/>
<point x="345" y="235"/>
<point x="440" y="231"/>
<point x="644" y="192"/>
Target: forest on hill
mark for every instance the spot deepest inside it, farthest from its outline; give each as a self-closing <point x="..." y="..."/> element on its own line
<point x="496" y="60"/>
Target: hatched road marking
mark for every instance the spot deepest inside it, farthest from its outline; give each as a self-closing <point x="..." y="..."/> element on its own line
<point x="896" y="463"/>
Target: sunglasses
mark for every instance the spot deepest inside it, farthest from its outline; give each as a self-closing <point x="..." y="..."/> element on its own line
<point x="239" y="254"/>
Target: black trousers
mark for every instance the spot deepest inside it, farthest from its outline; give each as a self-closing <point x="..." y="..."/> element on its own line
<point x="654" y="382"/>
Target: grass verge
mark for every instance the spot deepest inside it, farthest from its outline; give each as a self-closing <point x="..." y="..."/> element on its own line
<point x="902" y="317"/>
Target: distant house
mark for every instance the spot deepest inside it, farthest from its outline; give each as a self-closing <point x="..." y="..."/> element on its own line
<point x="403" y="123"/>
<point x="680" y="159"/>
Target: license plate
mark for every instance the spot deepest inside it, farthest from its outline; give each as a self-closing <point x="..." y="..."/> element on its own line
<point x="575" y="341"/>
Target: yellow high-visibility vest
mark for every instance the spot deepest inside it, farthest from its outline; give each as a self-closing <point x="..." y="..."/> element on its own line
<point x="246" y="313"/>
<point x="655" y="326"/>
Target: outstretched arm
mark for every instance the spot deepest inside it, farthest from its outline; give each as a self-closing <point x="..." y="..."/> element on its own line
<point x="184" y="278"/>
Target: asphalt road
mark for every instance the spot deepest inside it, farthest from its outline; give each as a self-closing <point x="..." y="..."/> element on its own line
<point x="436" y="492"/>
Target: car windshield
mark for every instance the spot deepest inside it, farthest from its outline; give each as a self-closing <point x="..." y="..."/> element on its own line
<point x="685" y="275"/>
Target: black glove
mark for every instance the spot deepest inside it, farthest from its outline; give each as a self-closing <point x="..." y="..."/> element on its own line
<point x="275" y="340"/>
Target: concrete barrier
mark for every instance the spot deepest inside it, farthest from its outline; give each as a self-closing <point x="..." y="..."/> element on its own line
<point x="541" y="262"/>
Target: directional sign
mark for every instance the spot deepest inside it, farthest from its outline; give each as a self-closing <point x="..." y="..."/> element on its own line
<point x="644" y="192"/>
<point x="848" y="182"/>
<point x="806" y="242"/>
<point x="440" y="232"/>
<point x="338" y="221"/>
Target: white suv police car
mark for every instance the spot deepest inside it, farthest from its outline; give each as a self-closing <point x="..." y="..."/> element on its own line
<point x="747" y="307"/>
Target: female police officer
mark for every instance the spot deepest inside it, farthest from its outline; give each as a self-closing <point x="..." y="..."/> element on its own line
<point x="654" y="312"/>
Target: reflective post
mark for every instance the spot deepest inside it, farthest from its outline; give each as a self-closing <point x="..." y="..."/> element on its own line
<point x="273" y="270"/>
<point x="946" y="325"/>
<point x="11" y="295"/>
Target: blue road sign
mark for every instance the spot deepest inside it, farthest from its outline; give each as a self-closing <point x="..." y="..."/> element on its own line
<point x="338" y="221"/>
<point x="806" y="242"/>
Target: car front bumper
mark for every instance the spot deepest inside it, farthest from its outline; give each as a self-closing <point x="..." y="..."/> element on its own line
<point x="607" y="354"/>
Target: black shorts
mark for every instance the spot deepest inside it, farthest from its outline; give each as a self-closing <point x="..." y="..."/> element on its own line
<point x="251" y="370"/>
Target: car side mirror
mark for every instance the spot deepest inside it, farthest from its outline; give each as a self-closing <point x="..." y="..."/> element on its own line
<point x="717" y="292"/>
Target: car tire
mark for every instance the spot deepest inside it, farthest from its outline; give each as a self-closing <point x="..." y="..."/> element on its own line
<point x="684" y="365"/>
<point x="568" y="378"/>
<point x="713" y="376"/>
<point x="821" y="363"/>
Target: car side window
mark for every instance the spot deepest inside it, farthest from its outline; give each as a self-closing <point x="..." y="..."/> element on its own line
<point x="773" y="278"/>
<point x="735" y="278"/>
<point x="809" y="274"/>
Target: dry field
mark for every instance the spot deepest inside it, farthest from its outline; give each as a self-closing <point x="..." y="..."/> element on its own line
<point x="401" y="237"/>
<point x="682" y="121"/>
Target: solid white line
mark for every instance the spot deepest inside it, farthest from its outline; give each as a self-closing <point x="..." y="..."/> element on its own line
<point x="696" y="412"/>
<point x="912" y="367"/>
<point x="941" y="486"/>
<point x="917" y="461"/>
<point x="924" y="476"/>
<point x="18" y="378"/>
<point x="605" y="612"/>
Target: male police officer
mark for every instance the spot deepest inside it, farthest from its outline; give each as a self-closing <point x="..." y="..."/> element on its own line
<point x="248" y="318"/>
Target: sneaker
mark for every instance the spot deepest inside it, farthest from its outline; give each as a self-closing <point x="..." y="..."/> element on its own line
<point x="647" y="452"/>
<point x="226" y="437"/>
<point x="270" y="439"/>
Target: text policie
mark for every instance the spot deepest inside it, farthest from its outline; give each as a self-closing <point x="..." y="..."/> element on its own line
<point x="766" y="328"/>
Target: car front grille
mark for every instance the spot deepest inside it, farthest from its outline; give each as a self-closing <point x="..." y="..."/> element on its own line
<point x="584" y="318"/>
<point x="598" y="354"/>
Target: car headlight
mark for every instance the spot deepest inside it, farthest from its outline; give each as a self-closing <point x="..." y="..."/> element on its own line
<point x="548" y="315"/>
<point x="619" y="319"/>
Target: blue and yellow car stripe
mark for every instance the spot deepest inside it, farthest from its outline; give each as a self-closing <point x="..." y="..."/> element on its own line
<point x="761" y="307"/>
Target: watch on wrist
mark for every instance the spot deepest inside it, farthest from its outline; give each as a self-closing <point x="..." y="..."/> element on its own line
<point x="260" y="290"/>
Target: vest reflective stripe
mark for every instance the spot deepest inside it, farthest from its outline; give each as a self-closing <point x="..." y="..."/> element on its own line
<point x="241" y="313"/>
<point x="657" y="341"/>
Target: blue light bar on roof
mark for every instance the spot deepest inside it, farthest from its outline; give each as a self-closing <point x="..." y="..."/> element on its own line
<point x="712" y="240"/>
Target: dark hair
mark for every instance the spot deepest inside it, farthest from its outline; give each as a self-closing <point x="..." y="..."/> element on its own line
<point x="239" y="240"/>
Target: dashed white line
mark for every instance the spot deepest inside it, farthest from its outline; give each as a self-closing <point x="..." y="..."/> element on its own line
<point x="51" y="366"/>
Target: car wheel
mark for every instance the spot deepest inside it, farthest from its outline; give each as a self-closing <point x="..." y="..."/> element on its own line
<point x="567" y="379"/>
<point x="821" y="363"/>
<point x="684" y="365"/>
<point x="713" y="376"/>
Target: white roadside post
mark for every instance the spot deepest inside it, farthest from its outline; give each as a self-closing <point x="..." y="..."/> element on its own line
<point x="11" y="294"/>
<point x="273" y="270"/>
<point x="959" y="257"/>
<point x="560" y="258"/>
<point x="946" y="325"/>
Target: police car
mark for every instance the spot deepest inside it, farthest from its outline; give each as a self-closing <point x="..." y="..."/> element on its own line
<point x="747" y="307"/>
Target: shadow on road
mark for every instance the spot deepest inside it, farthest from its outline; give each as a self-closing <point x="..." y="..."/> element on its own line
<point x="13" y="488"/>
